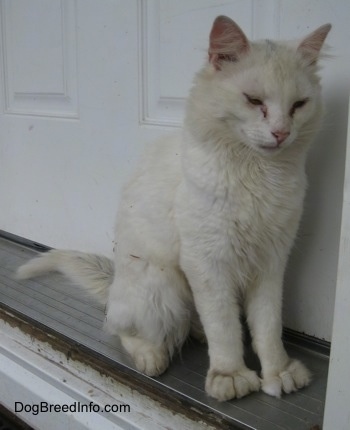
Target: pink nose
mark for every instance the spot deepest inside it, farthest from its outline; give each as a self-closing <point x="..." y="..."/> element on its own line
<point x="280" y="135"/>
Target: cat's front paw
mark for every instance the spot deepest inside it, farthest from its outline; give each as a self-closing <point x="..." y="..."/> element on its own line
<point x="293" y="377"/>
<point x="225" y="386"/>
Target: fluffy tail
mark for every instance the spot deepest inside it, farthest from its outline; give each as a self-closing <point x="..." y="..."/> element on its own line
<point x="93" y="272"/>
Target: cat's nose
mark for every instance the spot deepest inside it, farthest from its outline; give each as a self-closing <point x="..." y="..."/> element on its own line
<point x="280" y="135"/>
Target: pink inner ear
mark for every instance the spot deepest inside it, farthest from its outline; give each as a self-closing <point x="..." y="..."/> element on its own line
<point x="227" y="42"/>
<point x="311" y="45"/>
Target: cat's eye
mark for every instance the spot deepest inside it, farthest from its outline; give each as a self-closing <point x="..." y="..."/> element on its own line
<point x="297" y="105"/>
<point x="254" y="101"/>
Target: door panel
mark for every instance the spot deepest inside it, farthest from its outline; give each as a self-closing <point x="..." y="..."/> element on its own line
<point x="39" y="58"/>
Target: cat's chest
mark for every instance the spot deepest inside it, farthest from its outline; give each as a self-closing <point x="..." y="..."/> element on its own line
<point x="246" y="207"/>
<point x="251" y="207"/>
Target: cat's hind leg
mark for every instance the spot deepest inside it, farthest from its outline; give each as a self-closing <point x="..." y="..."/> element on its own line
<point x="149" y="307"/>
<point x="149" y="358"/>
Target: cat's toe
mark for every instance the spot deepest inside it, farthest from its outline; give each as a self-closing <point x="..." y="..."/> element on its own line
<point x="151" y="363"/>
<point x="300" y="374"/>
<point x="292" y="378"/>
<point x="225" y="386"/>
<point x="149" y="358"/>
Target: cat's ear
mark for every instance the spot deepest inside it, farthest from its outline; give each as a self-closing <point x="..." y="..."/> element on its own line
<point x="227" y="42"/>
<point x="311" y="45"/>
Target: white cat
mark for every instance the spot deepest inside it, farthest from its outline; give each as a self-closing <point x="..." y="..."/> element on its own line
<point x="207" y="221"/>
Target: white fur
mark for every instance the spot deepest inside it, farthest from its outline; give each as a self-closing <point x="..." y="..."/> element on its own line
<point x="95" y="272"/>
<point x="207" y="221"/>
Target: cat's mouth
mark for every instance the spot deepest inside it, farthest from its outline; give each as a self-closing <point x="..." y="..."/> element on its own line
<point x="270" y="148"/>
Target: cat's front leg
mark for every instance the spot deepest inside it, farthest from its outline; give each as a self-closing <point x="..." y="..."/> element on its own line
<point x="280" y="373"/>
<point x="216" y="302"/>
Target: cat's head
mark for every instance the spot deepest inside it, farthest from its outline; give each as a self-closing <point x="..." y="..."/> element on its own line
<point x="266" y="94"/>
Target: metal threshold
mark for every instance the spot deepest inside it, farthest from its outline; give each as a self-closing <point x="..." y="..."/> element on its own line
<point x="52" y="304"/>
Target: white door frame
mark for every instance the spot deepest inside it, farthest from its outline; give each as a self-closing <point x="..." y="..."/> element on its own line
<point x="337" y="409"/>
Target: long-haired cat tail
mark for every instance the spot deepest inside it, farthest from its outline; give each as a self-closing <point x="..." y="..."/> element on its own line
<point x="207" y="221"/>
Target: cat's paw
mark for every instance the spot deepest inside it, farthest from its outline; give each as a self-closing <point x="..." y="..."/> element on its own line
<point x="151" y="362"/>
<point x="225" y="386"/>
<point x="293" y="377"/>
<point x="150" y="359"/>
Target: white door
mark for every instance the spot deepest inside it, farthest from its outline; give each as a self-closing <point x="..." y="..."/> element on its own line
<point x="86" y="84"/>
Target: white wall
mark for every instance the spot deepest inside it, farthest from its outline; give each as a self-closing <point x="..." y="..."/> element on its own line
<point x="69" y="140"/>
